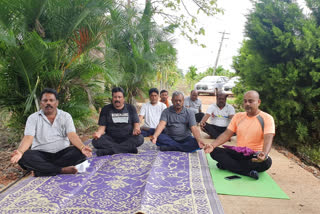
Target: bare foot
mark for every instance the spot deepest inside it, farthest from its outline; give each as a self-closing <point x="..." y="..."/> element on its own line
<point x="69" y="170"/>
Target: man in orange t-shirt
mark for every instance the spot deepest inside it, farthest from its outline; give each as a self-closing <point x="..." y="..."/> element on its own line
<point x="164" y="95"/>
<point x="255" y="130"/>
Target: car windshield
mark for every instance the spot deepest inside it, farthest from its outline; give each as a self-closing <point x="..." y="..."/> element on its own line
<point x="210" y="79"/>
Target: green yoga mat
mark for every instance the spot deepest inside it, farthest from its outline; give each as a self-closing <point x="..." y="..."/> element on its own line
<point x="264" y="187"/>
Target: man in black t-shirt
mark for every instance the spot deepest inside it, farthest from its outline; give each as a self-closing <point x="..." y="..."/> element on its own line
<point x="119" y="129"/>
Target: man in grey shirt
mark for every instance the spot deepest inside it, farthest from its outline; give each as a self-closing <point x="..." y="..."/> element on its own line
<point x="49" y="133"/>
<point x="179" y="123"/>
<point x="194" y="104"/>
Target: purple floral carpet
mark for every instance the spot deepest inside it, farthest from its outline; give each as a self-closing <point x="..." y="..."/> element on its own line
<point x="148" y="182"/>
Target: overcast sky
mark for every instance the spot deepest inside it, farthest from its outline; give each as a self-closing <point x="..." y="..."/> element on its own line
<point x="232" y="22"/>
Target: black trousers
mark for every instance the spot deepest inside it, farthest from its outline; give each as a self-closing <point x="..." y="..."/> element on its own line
<point x="214" y="131"/>
<point x="237" y="162"/>
<point x="199" y="116"/>
<point x="106" y="145"/>
<point x="49" y="164"/>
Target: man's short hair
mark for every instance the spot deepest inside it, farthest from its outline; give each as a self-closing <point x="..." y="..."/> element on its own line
<point x="163" y="91"/>
<point x="153" y="90"/>
<point x="177" y="93"/>
<point x="117" y="89"/>
<point x="49" y="91"/>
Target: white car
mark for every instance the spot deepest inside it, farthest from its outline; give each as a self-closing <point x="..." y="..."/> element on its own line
<point x="227" y="88"/>
<point x="210" y="84"/>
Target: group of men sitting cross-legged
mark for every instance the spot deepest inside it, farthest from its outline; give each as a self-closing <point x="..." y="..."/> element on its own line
<point x="50" y="131"/>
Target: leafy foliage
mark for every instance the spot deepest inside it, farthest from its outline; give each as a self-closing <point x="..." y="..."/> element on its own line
<point x="167" y="71"/>
<point x="47" y="44"/>
<point x="280" y="59"/>
<point x="135" y="50"/>
<point x="182" y="15"/>
<point x="191" y="75"/>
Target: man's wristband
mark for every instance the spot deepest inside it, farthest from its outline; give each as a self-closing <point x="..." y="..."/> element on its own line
<point x="82" y="147"/>
<point x="20" y="151"/>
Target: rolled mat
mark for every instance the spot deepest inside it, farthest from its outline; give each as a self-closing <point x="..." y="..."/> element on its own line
<point x="264" y="187"/>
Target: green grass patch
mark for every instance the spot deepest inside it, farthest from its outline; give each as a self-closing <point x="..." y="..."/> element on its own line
<point x="310" y="154"/>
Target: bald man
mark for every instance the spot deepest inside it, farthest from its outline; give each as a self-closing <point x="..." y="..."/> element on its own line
<point x="220" y="114"/>
<point x="194" y="104"/>
<point x="255" y="130"/>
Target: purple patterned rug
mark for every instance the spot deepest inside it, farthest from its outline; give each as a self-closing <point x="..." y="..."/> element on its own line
<point x="148" y="182"/>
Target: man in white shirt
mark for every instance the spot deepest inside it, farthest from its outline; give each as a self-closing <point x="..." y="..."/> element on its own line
<point x="194" y="104"/>
<point x="220" y="115"/>
<point x="151" y="112"/>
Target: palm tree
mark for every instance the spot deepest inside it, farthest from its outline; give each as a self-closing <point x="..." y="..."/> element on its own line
<point x="47" y="43"/>
<point x="167" y="72"/>
<point x="191" y="75"/>
<point x="131" y="49"/>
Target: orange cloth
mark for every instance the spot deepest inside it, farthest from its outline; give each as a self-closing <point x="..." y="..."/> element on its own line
<point x="249" y="130"/>
<point x="166" y="102"/>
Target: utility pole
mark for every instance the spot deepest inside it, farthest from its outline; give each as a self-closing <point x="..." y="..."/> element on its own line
<point x="222" y="38"/>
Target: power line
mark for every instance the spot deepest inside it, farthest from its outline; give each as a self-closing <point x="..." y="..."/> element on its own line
<point x="222" y="38"/>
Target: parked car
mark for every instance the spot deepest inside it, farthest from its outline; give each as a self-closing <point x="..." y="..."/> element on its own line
<point x="227" y="88"/>
<point x="210" y="84"/>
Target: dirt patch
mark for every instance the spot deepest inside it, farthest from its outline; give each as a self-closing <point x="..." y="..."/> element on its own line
<point x="8" y="172"/>
<point x="207" y="99"/>
<point x="312" y="169"/>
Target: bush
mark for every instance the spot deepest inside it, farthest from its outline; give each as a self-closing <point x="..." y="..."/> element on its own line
<point x="280" y="60"/>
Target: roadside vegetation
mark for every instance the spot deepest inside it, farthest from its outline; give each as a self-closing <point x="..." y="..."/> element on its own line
<point x="280" y="58"/>
<point x="84" y="48"/>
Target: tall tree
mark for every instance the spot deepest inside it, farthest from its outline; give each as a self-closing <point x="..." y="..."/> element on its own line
<point x="133" y="49"/>
<point x="182" y="14"/>
<point x="191" y="75"/>
<point x="280" y="59"/>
